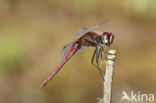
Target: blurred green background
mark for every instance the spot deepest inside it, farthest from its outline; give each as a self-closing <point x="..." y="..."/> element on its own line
<point x="33" y="33"/>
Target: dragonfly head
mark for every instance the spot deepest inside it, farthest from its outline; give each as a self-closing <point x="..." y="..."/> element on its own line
<point x="107" y="38"/>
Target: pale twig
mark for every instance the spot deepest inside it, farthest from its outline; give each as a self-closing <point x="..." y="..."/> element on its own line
<point x="107" y="91"/>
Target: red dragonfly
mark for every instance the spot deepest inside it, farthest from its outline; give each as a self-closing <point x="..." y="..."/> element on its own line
<point x="88" y="38"/>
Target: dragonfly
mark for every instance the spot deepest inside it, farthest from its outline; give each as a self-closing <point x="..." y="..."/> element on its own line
<point x="88" y="38"/>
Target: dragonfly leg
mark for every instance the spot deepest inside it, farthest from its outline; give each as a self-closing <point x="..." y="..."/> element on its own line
<point x="92" y="61"/>
<point x="97" y="62"/>
<point x="93" y="57"/>
<point x="102" y="55"/>
<point x="97" y="57"/>
<point x="102" y="50"/>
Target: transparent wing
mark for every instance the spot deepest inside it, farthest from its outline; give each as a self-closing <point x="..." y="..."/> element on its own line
<point x="85" y="30"/>
<point x="67" y="48"/>
<point x="82" y="31"/>
<point x="97" y="26"/>
<point x="83" y="48"/>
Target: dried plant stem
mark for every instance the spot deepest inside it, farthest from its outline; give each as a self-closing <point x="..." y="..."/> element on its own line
<point x="108" y="77"/>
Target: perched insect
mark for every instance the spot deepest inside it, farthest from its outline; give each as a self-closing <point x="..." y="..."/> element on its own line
<point x="88" y="38"/>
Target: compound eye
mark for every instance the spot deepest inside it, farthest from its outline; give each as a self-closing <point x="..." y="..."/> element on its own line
<point x="111" y="38"/>
<point x="105" y="39"/>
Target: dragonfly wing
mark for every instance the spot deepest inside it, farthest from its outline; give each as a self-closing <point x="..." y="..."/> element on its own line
<point x="97" y="26"/>
<point x="83" y="48"/>
<point x="85" y="30"/>
<point x="66" y="50"/>
<point x="81" y="32"/>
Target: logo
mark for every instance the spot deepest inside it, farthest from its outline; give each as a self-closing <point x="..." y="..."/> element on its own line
<point x="137" y="97"/>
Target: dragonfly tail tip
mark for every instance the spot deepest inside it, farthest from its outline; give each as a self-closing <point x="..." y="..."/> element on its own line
<point x="43" y="85"/>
